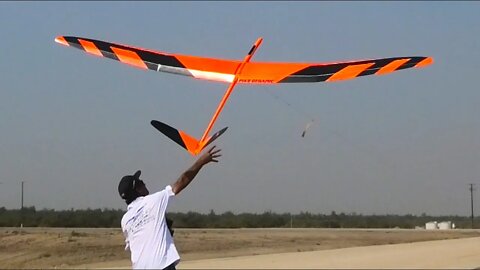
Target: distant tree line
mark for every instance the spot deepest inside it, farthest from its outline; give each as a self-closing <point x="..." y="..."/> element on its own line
<point x="110" y="218"/>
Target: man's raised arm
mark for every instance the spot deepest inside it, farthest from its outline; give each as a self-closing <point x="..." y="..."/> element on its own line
<point x="187" y="176"/>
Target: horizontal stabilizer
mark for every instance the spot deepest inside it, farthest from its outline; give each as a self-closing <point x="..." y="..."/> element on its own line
<point x="214" y="137"/>
<point x="192" y="145"/>
<point x="183" y="139"/>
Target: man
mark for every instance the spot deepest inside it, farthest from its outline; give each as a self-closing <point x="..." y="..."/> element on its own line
<point x="144" y="225"/>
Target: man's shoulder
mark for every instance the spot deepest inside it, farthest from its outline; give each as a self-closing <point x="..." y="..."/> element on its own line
<point x="124" y="218"/>
<point x="160" y="197"/>
<point x="167" y="192"/>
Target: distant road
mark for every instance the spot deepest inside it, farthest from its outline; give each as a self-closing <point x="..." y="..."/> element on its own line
<point x="441" y="254"/>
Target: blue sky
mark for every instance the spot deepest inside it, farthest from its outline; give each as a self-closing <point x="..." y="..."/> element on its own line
<point x="72" y="125"/>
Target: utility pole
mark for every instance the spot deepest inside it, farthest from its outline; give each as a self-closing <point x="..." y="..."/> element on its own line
<point x="22" y="198"/>
<point x="471" y="200"/>
<point x="21" y="210"/>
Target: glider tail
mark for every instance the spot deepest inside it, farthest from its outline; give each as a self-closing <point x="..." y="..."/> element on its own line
<point x="192" y="145"/>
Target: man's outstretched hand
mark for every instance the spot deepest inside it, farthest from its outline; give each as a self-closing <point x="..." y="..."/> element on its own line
<point x="210" y="156"/>
<point x="186" y="177"/>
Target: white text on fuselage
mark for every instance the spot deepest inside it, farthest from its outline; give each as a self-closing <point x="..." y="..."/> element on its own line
<point x="254" y="81"/>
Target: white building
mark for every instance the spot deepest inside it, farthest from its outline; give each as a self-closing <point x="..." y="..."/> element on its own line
<point x="432" y="225"/>
<point x="445" y="225"/>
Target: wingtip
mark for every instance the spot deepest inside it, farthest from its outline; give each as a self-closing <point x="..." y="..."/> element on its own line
<point x="425" y="62"/>
<point x="61" y="40"/>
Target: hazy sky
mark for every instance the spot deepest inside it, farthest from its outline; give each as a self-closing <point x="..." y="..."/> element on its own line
<point x="72" y="124"/>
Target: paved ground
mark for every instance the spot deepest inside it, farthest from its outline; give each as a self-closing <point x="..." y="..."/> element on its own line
<point x="440" y="254"/>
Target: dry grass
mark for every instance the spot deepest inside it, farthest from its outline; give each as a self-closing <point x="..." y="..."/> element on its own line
<point x="62" y="247"/>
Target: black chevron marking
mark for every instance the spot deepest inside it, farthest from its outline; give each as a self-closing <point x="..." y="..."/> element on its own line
<point x="151" y="59"/>
<point x="412" y="62"/>
<point x="377" y="66"/>
<point x="320" y="73"/>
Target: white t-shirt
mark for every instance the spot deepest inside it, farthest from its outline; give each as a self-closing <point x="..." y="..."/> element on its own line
<point x="146" y="232"/>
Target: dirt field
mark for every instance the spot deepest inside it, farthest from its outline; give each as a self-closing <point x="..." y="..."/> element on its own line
<point x="90" y="248"/>
<point x="438" y="254"/>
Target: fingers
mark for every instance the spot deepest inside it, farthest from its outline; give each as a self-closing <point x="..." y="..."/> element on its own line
<point x="210" y="150"/>
<point x="213" y="154"/>
<point x="214" y="158"/>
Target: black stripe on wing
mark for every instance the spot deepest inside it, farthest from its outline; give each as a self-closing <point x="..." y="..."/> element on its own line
<point x="151" y="59"/>
<point x="320" y="73"/>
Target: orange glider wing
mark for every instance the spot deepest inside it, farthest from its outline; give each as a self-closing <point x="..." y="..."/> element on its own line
<point x="223" y="70"/>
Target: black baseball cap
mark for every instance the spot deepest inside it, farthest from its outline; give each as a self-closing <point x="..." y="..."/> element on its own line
<point x="127" y="185"/>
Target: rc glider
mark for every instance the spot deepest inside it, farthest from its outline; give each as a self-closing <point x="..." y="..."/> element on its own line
<point x="233" y="72"/>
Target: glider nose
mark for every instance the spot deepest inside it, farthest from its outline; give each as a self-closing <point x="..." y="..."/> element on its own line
<point x="61" y="40"/>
